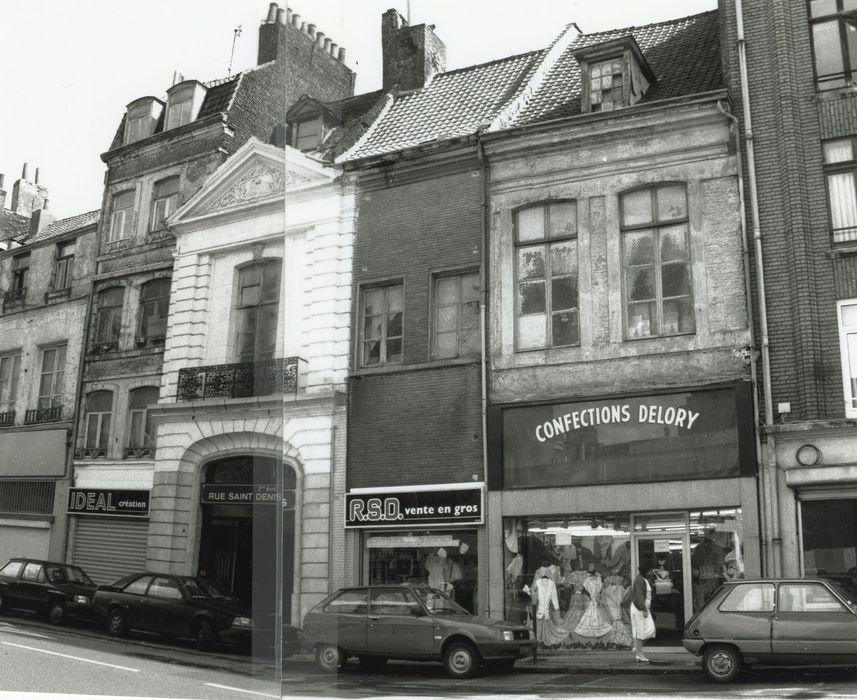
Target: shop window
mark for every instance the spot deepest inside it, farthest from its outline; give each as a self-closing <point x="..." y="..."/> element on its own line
<point x="456" y="315"/>
<point x="546" y="307"/>
<point x="840" y="168"/>
<point x="164" y="202"/>
<point x="121" y="215"/>
<point x="847" y="312"/>
<point x="257" y="309"/>
<point x="749" y="597"/>
<point x="10" y="368"/>
<point x="382" y="325"/>
<point x="656" y="262"/>
<point x="52" y="378"/>
<point x="98" y="412"/>
<point x="829" y="540"/>
<point x="64" y="266"/>
<point x="834" y="42"/>
<point x="154" y="308"/>
<point x="141" y="431"/>
<point x="109" y="318"/>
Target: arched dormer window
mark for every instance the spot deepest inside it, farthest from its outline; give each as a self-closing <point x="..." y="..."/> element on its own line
<point x="256" y="310"/>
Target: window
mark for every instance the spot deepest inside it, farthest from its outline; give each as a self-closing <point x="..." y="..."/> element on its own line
<point x="834" y="41"/>
<point x="52" y="377"/>
<point x="10" y="368"/>
<point x="546" y="306"/>
<point x="141" y="119"/>
<point x="656" y="254"/>
<point x="808" y="597"/>
<point x="138" y="586"/>
<point x="840" y="166"/>
<point x="33" y="572"/>
<point x="180" y="109"/>
<point x="349" y="602"/>
<point x="20" y="275"/>
<point x="456" y="315"/>
<point x="847" y="312"/>
<point x="141" y="431"/>
<point x="307" y="134"/>
<point x="155" y="302"/>
<point x="829" y="538"/>
<point x="164" y="202"/>
<point x="11" y="569"/>
<point x="121" y="212"/>
<point x="749" y="597"/>
<point x="382" y="324"/>
<point x="391" y="602"/>
<point x="166" y="588"/>
<point x="257" y="310"/>
<point x="99" y="407"/>
<point x="605" y="86"/>
<point x="109" y="321"/>
<point x="64" y="267"/>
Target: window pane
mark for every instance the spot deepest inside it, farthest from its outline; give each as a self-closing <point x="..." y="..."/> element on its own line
<point x="827" y="47"/>
<point x="642" y="321"/>
<point x="851" y="349"/>
<point x="531" y="224"/>
<point x="563" y="219"/>
<point x="565" y="328"/>
<point x="532" y="332"/>
<point x="394" y="350"/>
<point x="374" y="301"/>
<point x="136" y="438"/>
<point x="395" y="298"/>
<point x="532" y="298"/>
<point x="92" y="430"/>
<point x="674" y="243"/>
<point x="394" y="324"/>
<point x="808" y="597"/>
<point x="99" y="401"/>
<point x="672" y="202"/>
<point x="843" y="204"/>
<point x="447" y="290"/>
<point x="820" y="8"/>
<point x="838" y="151"/>
<point x="143" y="397"/>
<point x="447" y="345"/>
<point x="167" y="187"/>
<point x="447" y="319"/>
<point x="639" y="248"/>
<point x="637" y="208"/>
<point x="469" y="341"/>
<point x="749" y="597"/>
<point x="563" y="258"/>
<point x="271" y="282"/>
<point x="372" y="327"/>
<point x="470" y="287"/>
<point x="641" y="283"/>
<point x="851" y="41"/>
<point x="371" y="352"/>
<point x="105" y="431"/>
<point x="563" y="293"/>
<point x="675" y="280"/>
<point x="678" y="316"/>
<point x="531" y="262"/>
<point x="470" y="315"/>
<point x="849" y="315"/>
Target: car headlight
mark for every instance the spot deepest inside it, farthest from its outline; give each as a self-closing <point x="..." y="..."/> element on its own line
<point x="81" y="599"/>
<point x="242" y="622"/>
<point x="509" y="635"/>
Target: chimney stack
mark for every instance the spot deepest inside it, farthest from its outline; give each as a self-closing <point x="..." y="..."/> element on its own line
<point x="40" y="219"/>
<point x="411" y="55"/>
<point x="27" y="195"/>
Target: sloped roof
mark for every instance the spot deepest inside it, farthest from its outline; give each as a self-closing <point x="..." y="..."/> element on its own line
<point x="683" y="53"/>
<point x="63" y="226"/>
<point x="13" y="227"/>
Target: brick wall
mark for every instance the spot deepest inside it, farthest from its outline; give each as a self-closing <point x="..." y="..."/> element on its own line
<point x="312" y="71"/>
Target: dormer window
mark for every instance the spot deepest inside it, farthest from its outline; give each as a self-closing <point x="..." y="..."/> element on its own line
<point x="306" y="134"/>
<point x="309" y="123"/>
<point x="614" y="74"/>
<point x="183" y="103"/>
<point x="142" y="116"/>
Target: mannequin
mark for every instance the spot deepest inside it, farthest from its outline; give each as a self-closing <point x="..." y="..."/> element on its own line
<point x="442" y="571"/>
<point x="593" y="625"/>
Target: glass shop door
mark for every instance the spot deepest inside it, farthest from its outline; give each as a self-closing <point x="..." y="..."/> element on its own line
<point x="663" y="540"/>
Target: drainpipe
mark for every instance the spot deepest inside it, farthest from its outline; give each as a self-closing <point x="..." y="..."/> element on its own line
<point x="734" y="131"/>
<point x="770" y="465"/>
<point x="483" y="330"/>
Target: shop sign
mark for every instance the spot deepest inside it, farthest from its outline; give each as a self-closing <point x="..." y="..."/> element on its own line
<point x="108" y="502"/>
<point x="246" y="494"/>
<point x="384" y="508"/>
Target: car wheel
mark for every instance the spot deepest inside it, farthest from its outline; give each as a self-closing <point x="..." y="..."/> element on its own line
<point x="205" y="635"/>
<point x="372" y="663"/>
<point x="116" y="624"/>
<point x="721" y="663"/>
<point x="57" y="612"/>
<point x="461" y="660"/>
<point x="330" y="657"/>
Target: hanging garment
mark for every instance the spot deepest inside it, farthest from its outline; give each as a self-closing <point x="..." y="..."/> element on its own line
<point x="552" y="572"/>
<point x="577" y="603"/>
<point x="516" y="566"/>
<point x="545" y="590"/>
<point x="549" y="630"/>
<point x="511" y="534"/>
<point x="593" y="624"/>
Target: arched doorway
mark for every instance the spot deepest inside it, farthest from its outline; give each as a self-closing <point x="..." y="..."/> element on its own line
<point x="238" y="539"/>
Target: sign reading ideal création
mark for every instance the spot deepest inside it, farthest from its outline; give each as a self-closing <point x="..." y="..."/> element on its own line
<point x="108" y="502"/>
<point x="246" y="494"/>
<point x="420" y="507"/>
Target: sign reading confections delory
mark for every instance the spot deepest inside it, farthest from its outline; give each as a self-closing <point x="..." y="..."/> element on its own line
<point x="108" y="502"/>
<point x="422" y="506"/>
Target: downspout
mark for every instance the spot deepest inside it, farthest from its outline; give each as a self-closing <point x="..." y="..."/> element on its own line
<point x="770" y="466"/>
<point x="748" y="291"/>
<point x="483" y="319"/>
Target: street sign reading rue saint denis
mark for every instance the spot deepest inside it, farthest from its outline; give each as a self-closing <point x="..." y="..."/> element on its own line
<point x="246" y="494"/>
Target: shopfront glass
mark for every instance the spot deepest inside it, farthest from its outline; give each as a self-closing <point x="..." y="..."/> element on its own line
<point x="446" y="560"/>
<point x="581" y="566"/>
<point x="829" y="540"/>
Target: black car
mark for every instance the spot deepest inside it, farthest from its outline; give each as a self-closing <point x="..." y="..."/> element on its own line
<point x="50" y="588"/>
<point x="172" y="606"/>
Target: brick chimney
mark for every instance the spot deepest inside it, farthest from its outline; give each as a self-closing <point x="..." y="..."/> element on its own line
<point x="272" y="35"/>
<point x="411" y="55"/>
<point x="41" y="218"/>
<point x="27" y="194"/>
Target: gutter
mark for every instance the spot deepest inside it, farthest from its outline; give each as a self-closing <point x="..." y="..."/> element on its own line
<point x="769" y="468"/>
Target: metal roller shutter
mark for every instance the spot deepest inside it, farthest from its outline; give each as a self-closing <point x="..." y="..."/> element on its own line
<point x="108" y="549"/>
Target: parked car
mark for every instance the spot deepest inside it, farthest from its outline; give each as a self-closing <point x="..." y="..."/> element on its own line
<point x="795" y="622"/>
<point x="410" y="622"/>
<point x="56" y="590"/>
<point x="172" y="606"/>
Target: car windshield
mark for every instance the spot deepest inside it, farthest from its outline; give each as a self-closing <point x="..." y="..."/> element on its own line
<point x="67" y="574"/>
<point x="195" y="588"/>
<point x="438" y="602"/>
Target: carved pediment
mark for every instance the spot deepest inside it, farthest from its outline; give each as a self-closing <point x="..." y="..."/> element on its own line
<point x="259" y="182"/>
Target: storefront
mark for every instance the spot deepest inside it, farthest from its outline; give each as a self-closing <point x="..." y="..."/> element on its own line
<point x="108" y="531"/>
<point x="828" y="534"/>
<point x="426" y="534"/>
<point x="582" y="493"/>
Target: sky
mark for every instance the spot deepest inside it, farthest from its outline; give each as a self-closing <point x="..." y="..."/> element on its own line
<point x="70" y="68"/>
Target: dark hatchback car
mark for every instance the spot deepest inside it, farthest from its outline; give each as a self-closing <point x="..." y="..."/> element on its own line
<point x="56" y="590"/>
<point x="768" y="622"/>
<point x="410" y="622"/>
<point x="172" y="606"/>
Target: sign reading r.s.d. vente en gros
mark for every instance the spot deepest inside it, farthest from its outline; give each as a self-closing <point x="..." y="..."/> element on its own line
<point x="423" y="506"/>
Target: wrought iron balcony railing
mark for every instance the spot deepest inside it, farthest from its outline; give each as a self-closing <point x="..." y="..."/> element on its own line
<point x="7" y="418"/>
<point x="43" y="415"/>
<point x="239" y="380"/>
<point x="147" y="451"/>
<point x="90" y="453"/>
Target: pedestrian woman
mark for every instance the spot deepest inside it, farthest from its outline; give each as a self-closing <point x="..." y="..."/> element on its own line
<point x="642" y="622"/>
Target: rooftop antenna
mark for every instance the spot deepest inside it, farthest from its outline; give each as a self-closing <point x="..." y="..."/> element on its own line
<point x="235" y="34"/>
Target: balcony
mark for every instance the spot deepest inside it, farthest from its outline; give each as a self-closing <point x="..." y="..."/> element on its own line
<point x="239" y="380"/>
<point x="14" y="299"/>
<point x="7" y="418"/>
<point x="90" y="453"/>
<point x="43" y="415"/>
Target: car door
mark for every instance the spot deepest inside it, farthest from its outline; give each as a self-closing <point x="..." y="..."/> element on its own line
<point x="394" y="630"/>
<point x="165" y="608"/>
<point x="31" y="587"/>
<point x="132" y="599"/>
<point x="343" y="621"/>
<point x="10" y="577"/>
<point x="812" y="625"/>
<point x="744" y="616"/>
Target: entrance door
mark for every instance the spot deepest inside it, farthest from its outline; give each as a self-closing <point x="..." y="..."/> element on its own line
<point x="662" y="540"/>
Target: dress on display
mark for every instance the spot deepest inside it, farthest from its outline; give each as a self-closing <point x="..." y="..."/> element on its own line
<point x="577" y="603"/>
<point x="593" y="625"/>
<point x="614" y="591"/>
<point x="549" y="629"/>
